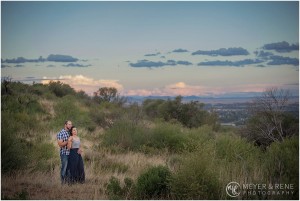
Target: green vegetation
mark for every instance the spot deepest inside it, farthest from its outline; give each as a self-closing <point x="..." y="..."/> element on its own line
<point x="153" y="184"/>
<point x="129" y="136"/>
<point x="199" y="158"/>
<point x="188" y="114"/>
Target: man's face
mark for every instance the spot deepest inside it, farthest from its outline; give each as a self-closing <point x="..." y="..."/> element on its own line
<point x="69" y="125"/>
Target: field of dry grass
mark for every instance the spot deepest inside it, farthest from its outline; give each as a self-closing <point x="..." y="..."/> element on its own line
<point x="100" y="165"/>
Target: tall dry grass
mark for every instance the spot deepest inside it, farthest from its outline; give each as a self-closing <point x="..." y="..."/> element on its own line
<point x="100" y="165"/>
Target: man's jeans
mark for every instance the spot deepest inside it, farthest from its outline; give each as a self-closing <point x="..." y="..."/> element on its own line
<point x="64" y="164"/>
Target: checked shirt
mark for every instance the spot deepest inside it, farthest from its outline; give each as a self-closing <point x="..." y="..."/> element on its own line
<point x="63" y="135"/>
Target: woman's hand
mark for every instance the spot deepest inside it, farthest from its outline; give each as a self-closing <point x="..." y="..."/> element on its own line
<point x="79" y="151"/>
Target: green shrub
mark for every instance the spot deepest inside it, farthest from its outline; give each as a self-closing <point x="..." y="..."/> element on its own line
<point x="198" y="137"/>
<point x="125" y="135"/>
<point x="189" y="114"/>
<point x="116" y="192"/>
<point x="60" y="89"/>
<point x="168" y="136"/>
<point x="14" y="153"/>
<point x="131" y="136"/>
<point x="40" y="155"/>
<point x="282" y="164"/>
<point x="232" y="148"/>
<point x="114" y="189"/>
<point x="154" y="183"/>
<point x="197" y="177"/>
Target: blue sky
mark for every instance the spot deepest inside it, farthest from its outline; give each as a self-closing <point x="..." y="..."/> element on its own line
<point x="153" y="48"/>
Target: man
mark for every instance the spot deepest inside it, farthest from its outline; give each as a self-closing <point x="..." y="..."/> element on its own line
<point x="62" y="141"/>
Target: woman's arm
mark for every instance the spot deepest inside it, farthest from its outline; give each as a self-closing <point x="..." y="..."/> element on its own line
<point x="80" y="150"/>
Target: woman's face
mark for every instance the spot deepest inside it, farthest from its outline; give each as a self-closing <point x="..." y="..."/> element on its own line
<point x="74" y="131"/>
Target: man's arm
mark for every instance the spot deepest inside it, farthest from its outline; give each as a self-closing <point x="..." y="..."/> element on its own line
<point x="61" y="143"/>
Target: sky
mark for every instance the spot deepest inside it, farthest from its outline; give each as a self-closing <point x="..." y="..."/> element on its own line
<point x="199" y="48"/>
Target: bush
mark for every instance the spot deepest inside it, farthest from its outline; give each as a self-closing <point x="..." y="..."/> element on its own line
<point x="166" y="135"/>
<point x="116" y="192"/>
<point x="125" y="135"/>
<point x="14" y="153"/>
<point x="196" y="177"/>
<point x="198" y="137"/>
<point x="232" y="148"/>
<point x="60" y="89"/>
<point x="154" y="183"/>
<point x="282" y="164"/>
<point x="189" y="114"/>
<point x="114" y="189"/>
<point x="40" y="154"/>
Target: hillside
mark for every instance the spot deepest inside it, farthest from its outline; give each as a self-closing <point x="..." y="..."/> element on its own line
<point x="161" y="149"/>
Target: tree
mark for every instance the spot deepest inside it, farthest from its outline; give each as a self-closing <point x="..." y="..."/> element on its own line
<point x="190" y="114"/>
<point x="108" y="94"/>
<point x="269" y="120"/>
<point x="60" y="89"/>
<point x="5" y="85"/>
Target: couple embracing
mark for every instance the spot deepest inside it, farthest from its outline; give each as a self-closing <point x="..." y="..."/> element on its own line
<point x="72" y="169"/>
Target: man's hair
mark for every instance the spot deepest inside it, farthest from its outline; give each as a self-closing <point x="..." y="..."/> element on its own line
<point x="66" y="122"/>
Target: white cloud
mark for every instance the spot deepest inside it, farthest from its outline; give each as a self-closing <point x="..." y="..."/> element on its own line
<point x="183" y="89"/>
<point x="89" y="85"/>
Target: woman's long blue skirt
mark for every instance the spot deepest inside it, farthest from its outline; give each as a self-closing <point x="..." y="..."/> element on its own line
<point x="75" y="167"/>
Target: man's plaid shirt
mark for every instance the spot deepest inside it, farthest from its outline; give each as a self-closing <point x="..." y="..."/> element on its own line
<point x="63" y="135"/>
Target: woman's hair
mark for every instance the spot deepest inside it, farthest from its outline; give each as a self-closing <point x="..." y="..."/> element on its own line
<point x="72" y="130"/>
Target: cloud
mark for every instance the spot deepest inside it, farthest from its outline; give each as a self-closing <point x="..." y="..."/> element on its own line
<point x="263" y="54"/>
<point x="281" y="47"/>
<point x="279" y="60"/>
<point x="186" y="63"/>
<point x="5" y="66"/>
<point x="148" y="64"/>
<point x="151" y="55"/>
<point x="76" y="65"/>
<point x="240" y="63"/>
<point x="180" y="50"/>
<point x="156" y="64"/>
<point x="61" y="58"/>
<point x="89" y="85"/>
<point x="223" y="52"/>
<point x="51" y="57"/>
<point x="184" y="89"/>
<point x="23" y="60"/>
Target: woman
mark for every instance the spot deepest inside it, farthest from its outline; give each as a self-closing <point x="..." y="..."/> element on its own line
<point x="75" y="162"/>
